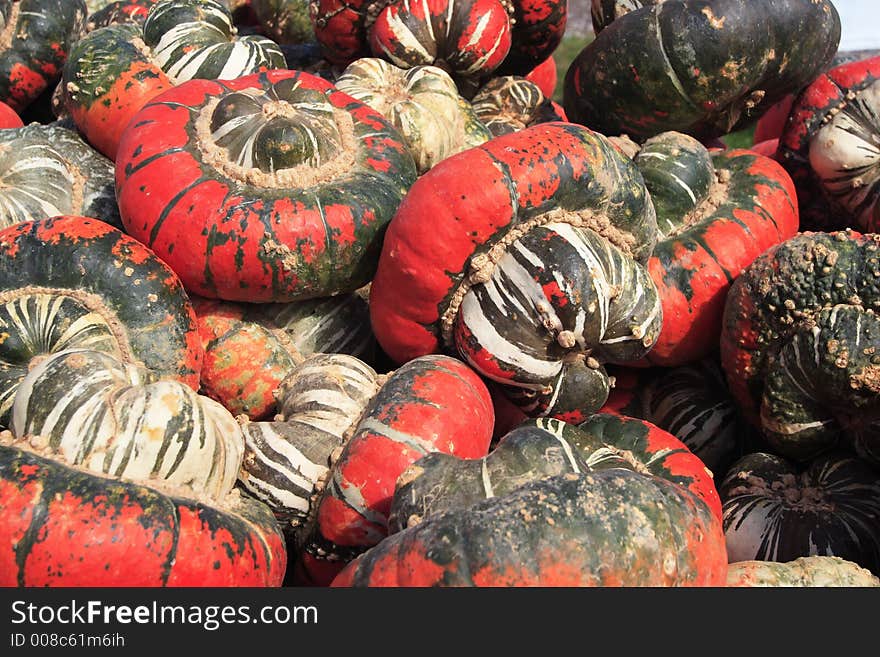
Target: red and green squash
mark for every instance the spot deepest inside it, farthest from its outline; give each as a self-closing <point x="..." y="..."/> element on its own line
<point x="716" y="212"/>
<point x="512" y="36"/>
<point x="800" y="344"/>
<point x="67" y="527"/>
<point x="274" y="187"/>
<point x="469" y="38"/>
<point x="531" y="267"/>
<point x="615" y="527"/>
<point x="545" y="447"/>
<point x="432" y="403"/>
<point x="76" y="282"/>
<point x="113" y="71"/>
<point x="830" y="148"/>
<point x="777" y="510"/>
<point x="706" y="68"/>
<point x="101" y="452"/>
<point x="251" y="348"/>
<point x="35" y="39"/>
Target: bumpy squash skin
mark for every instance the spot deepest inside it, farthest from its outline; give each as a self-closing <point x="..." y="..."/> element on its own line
<point x="831" y="92"/>
<point x="800" y="340"/>
<point x="705" y="68"/>
<point x="145" y="300"/>
<point x="803" y="571"/>
<point x="432" y="403"/>
<point x="66" y="527"/>
<point x="223" y="236"/>
<point x="693" y="269"/>
<point x="659" y="453"/>
<point x="35" y="44"/>
<point x="568" y="530"/>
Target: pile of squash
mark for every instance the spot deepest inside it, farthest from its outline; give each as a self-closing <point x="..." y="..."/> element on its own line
<point x="335" y="294"/>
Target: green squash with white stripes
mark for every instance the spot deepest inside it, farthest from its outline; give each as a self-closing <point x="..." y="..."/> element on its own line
<point x="287" y="461"/>
<point x="422" y="102"/>
<point x="97" y="412"/>
<point x="48" y="170"/>
<point x="778" y="510"/>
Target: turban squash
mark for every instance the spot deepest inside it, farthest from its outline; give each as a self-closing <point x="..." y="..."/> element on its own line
<point x="553" y="505"/>
<point x="531" y="267"/>
<point x="270" y="187"/>
<point x="76" y="282"/>
<point x="112" y="477"/>
<point x="113" y="71"/>
<point x="35" y="39"/>
<point x="704" y="68"/>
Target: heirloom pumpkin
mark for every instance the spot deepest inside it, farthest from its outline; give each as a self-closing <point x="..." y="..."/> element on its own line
<point x="68" y="282"/>
<point x="112" y="72"/>
<point x="287" y="461"/>
<point x="716" y="213"/>
<point x="800" y="344"/>
<point x="469" y="38"/>
<point x="610" y="528"/>
<point x="35" y="38"/>
<point x="271" y="187"/>
<point x="693" y="403"/>
<point x="432" y="403"/>
<point x="831" y="148"/>
<point x="100" y="453"/>
<point x="531" y="267"/>
<point x="48" y="170"/>
<point x="510" y="103"/>
<point x="473" y="37"/>
<point x="704" y="68"/>
<point x="803" y="571"/>
<point x="251" y="348"/>
<point x="546" y="447"/>
<point x="422" y="103"/>
<point x="775" y="510"/>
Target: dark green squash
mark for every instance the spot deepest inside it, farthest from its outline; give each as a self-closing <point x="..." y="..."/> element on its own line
<point x="704" y="68"/>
